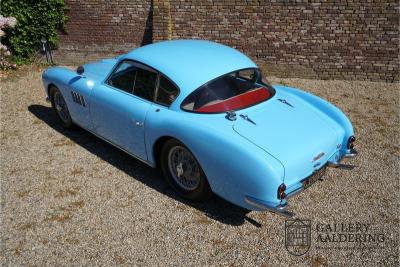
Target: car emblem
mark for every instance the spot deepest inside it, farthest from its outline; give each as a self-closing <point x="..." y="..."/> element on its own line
<point x="317" y="157"/>
<point x="245" y="117"/>
<point x="285" y="102"/>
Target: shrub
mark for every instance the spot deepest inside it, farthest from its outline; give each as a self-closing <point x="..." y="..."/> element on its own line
<point x="36" y="19"/>
<point x="5" y="22"/>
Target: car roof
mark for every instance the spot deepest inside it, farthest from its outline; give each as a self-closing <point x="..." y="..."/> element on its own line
<point x="191" y="63"/>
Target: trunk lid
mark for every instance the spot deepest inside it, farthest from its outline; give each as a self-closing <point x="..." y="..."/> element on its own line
<point x="292" y="131"/>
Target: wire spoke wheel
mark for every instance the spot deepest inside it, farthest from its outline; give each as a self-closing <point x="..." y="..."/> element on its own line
<point x="61" y="107"/>
<point x="184" y="168"/>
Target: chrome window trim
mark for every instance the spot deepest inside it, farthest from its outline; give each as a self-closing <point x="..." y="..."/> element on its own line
<point x="147" y="67"/>
<point x="158" y="84"/>
<point x="260" y="82"/>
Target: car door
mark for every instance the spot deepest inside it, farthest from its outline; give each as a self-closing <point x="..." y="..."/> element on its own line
<point x="120" y="105"/>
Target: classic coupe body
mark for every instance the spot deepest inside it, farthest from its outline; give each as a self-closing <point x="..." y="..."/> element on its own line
<point x="201" y="112"/>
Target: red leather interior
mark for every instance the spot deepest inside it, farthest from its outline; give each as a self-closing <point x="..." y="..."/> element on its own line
<point x="237" y="102"/>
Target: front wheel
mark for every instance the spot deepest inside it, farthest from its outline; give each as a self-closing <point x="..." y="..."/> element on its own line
<point x="60" y="107"/>
<point x="183" y="172"/>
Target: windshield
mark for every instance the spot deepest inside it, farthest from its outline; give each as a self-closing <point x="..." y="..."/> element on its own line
<point x="233" y="91"/>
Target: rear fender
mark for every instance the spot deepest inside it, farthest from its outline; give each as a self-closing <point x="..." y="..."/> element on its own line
<point x="235" y="168"/>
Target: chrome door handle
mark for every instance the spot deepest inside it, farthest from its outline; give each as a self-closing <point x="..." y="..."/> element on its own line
<point x="139" y="124"/>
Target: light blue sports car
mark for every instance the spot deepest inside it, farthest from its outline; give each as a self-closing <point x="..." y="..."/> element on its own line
<point x="201" y="112"/>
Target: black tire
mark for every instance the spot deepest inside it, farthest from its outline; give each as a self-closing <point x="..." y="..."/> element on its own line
<point x="66" y="120"/>
<point x="202" y="189"/>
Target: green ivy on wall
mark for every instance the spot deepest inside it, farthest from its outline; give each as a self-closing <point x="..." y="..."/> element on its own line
<point x="36" y="19"/>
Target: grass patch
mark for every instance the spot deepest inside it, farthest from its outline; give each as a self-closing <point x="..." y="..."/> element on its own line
<point x="66" y="193"/>
<point x="27" y="226"/>
<point x="77" y="171"/>
<point x="77" y="204"/>
<point x="64" y="142"/>
<point x="22" y="194"/>
<point x="55" y="217"/>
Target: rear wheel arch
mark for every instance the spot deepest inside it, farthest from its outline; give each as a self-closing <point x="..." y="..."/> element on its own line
<point x="166" y="145"/>
<point x="157" y="147"/>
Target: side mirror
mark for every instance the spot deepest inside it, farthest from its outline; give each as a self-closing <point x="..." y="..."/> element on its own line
<point x="80" y="70"/>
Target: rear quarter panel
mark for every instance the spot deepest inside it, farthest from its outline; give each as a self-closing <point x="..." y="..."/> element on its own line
<point x="234" y="167"/>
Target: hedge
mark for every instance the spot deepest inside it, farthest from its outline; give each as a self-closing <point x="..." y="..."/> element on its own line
<point x="36" y="19"/>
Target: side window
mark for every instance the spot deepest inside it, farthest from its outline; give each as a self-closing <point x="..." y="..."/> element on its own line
<point x="167" y="92"/>
<point x="123" y="77"/>
<point x="145" y="84"/>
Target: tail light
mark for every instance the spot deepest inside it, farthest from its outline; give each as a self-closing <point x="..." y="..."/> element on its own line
<point x="350" y="142"/>
<point x="281" y="191"/>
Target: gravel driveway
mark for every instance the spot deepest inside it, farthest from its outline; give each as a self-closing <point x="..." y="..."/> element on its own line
<point x="68" y="198"/>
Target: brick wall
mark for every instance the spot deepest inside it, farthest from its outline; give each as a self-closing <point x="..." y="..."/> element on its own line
<point x="322" y="39"/>
<point x="107" y="25"/>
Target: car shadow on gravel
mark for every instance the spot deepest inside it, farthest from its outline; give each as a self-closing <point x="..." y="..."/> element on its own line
<point x="215" y="208"/>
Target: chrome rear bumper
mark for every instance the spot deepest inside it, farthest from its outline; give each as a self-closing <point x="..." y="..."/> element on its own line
<point x="281" y="209"/>
<point x="263" y="205"/>
<point x="336" y="164"/>
<point x="340" y="166"/>
<point x="352" y="153"/>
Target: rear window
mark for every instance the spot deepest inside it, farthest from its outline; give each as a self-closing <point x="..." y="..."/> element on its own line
<point x="233" y="91"/>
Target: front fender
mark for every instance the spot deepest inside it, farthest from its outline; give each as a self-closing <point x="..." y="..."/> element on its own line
<point x="235" y="168"/>
<point x="66" y="81"/>
<point x="59" y="76"/>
